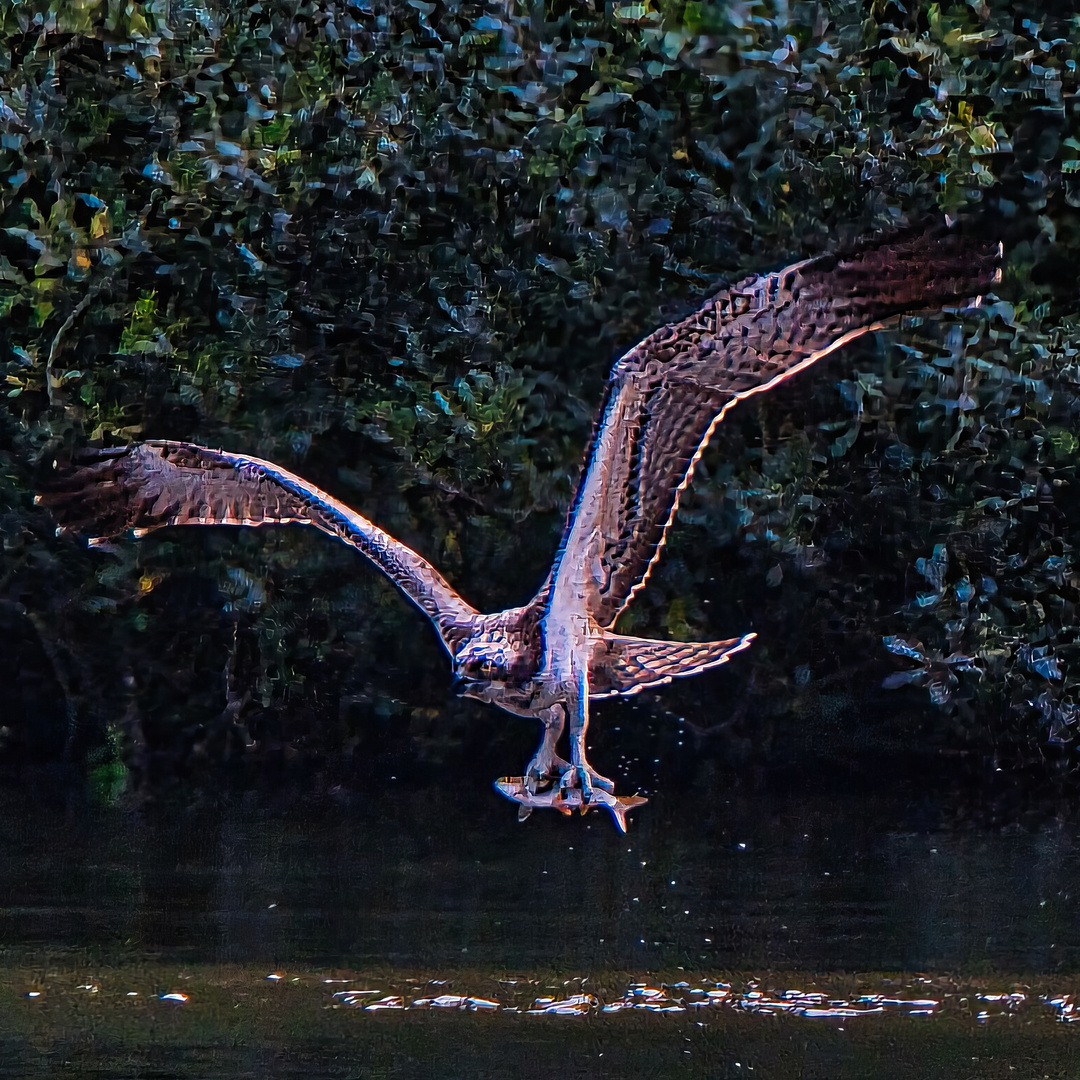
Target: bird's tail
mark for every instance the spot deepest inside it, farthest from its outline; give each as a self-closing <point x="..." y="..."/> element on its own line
<point x="632" y="664"/>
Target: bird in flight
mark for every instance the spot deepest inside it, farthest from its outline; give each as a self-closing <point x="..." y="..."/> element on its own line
<point x="552" y="657"/>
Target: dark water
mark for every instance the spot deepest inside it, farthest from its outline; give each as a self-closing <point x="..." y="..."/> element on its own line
<point x="411" y="891"/>
<point x="443" y="876"/>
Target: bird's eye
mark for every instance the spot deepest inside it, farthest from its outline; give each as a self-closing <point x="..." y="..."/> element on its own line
<point x="488" y="669"/>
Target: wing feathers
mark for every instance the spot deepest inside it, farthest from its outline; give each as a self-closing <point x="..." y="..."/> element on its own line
<point x="154" y="484"/>
<point x="668" y="393"/>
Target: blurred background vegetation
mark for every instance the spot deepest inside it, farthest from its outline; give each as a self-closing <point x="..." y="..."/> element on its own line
<point x="396" y="246"/>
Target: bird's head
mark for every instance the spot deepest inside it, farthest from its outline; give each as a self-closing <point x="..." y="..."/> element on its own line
<point x="495" y="664"/>
<point x="479" y="664"/>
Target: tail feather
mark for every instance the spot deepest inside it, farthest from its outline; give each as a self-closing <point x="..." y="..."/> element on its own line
<point x="629" y="665"/>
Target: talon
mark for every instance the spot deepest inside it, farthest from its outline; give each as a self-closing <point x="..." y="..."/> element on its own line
<point x="592" y="779"/>
<point x="543" y="771"/>
<point x="603" y="782"/>
<point x="537" y="782"/>
<point x="569" y="780"/>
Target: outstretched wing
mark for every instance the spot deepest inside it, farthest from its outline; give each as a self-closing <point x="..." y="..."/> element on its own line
<point x="153" y="484"/>
<point x="667" y="394"/>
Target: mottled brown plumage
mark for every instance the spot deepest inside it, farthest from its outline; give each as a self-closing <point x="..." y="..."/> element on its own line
<point x="665" y="395"/>
<point x="662" y="402"/>
<point x="154" y="484"/>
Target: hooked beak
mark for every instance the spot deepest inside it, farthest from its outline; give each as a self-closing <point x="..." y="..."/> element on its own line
<point x="460" y="685"/>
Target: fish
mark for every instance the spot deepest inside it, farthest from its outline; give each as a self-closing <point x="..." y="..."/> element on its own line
<point x="566" y="800"/>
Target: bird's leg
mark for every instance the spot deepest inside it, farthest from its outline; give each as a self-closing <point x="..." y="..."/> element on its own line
<point x="581" y="773"/>
<point x="547" y="765"/>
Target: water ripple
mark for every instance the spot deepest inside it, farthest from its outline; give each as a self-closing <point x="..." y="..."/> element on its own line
<point x="762" y="996"/>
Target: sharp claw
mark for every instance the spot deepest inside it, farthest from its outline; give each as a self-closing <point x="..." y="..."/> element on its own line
<point x="524" y="813"/>
<point x="537" y="783"/>
<point x="542" y="773"/>
<point x="585" y="778"/>
<point x="571" y="779"/>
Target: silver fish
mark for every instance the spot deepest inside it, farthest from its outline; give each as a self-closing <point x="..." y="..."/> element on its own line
<point x="566" y="800"/>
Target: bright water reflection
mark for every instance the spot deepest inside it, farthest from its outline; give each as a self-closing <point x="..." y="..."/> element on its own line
<point x="705" y="999"/>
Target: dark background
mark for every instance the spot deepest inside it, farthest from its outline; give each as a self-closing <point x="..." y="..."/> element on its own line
<point x="396" y="248"/>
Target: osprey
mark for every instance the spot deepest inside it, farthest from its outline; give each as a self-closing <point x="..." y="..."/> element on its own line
<point x="553" y="656"/>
